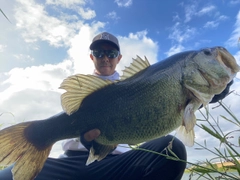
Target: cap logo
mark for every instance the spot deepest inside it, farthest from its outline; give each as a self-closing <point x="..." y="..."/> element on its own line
<point x="105" y="36"/>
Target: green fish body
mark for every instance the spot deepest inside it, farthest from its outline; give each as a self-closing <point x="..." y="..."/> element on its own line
<point x="149" y="101"/>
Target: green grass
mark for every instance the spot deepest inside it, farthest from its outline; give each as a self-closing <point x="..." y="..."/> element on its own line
<point x="226" y="151"/>
<point x="4" y="14"/>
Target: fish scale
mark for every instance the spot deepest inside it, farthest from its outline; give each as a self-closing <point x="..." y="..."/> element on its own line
<point x="148" y="113"/>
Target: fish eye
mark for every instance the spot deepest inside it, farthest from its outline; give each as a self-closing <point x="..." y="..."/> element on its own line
<point x="207" y="52"/>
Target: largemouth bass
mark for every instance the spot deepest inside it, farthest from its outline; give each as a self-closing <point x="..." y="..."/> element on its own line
<point x="148" y="102"/>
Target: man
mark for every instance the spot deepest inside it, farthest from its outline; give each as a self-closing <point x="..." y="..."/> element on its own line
<point x="102" y="44"/>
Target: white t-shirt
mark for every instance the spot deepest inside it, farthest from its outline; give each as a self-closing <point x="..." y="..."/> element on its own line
<point x="75" y="144"/>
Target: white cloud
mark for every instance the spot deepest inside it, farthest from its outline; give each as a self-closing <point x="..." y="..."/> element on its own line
<point x="137" y="44"/>
<point x="2" y="47"/>
<point x="234" y="2"/>
<point x="32" y="93"/>
<point x="206" y="10"/>
<point x="87" y="13"/>
<point x="211" y="24"/>
<point x="66" y="3"/>
<point x="41" y="26"/>
<point x="75" y="6"/>
<point x="113" y="15"/>
<point x="215" y="23"/>
<point x="197" y="44"/>
<point x="176" y="17"/>
<point x="24" y="57"/>
<point x="189" y="10"/>
<point x="43" y="78"/>
<point x="233" y="40"/>
<point x="79" y="48"/>
<point x="181" y="34"/>
<point x="175" y="49"/>
<point x="124" y="3"/>
<point x="222" y="18"/>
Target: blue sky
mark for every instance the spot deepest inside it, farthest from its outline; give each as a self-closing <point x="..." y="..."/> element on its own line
<point x="48" y="40"/>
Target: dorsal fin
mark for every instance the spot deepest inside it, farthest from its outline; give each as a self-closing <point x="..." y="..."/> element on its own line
<point x="77" y="88"/>
<point x="137" y="65"/>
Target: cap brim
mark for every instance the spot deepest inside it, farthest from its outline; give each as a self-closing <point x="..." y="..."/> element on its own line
<point x="97" y="42"/>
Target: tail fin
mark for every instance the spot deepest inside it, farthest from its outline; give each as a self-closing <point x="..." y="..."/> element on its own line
<point x="14" y="147"/>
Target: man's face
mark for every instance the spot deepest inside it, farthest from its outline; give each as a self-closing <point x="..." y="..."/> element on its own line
<point x="104" y="65"/>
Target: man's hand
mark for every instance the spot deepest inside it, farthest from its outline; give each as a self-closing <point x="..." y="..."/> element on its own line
<point x="87" y="138"/>
<point x="91" y="135"/>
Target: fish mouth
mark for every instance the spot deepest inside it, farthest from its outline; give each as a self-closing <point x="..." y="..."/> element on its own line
<point x="227" y="60"/>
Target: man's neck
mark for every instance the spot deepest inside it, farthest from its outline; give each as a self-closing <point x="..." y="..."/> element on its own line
<point x="113" y="77"/>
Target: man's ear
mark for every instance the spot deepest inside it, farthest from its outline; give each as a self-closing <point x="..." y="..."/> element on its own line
<point x="119" y="57"/>
<point x="91" y="56"/>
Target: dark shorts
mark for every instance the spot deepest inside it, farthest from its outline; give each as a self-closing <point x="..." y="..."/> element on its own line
<point x="132" y="165"/>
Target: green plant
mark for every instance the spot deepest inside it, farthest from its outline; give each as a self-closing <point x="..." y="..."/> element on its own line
<point x="4" y="15"/>
<point x="227" y="154"/>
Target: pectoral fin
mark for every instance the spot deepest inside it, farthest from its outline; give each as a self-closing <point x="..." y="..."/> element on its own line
<point x="186" y="131"/>
<point x="99" y="151"/>
<point x="189" y="118"/>
<point x="186" y="137"/>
